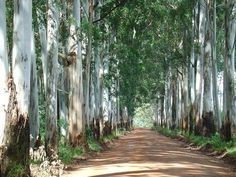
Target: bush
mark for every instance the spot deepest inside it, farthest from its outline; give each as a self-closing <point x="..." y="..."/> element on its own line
<point x="215" y="141"/>
<point x="66" y="153"/>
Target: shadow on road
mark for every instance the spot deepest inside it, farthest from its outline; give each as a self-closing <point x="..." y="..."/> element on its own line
<point x="145" y="153"/>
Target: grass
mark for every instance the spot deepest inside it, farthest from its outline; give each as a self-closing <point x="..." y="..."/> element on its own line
<point x="215" y="142"/>
<point x="94" y="146"/>
<point x="232" y="151"/>
<point x="67" y="153"/>
<point x="16" y="170"/>
<point x="109" y="138"/>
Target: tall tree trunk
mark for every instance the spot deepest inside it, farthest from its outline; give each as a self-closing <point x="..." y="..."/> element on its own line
<point x="214" y="69"/>
<point x="184" y="95"/>
<point x="191" y="71"/>
<point x="178" y="101"/>
<point x="207" y="114"/>
<point x="76" y="123"/>
<point x="229" y="63"/>
<point x="52" y="72"/>
<point x="43" y="44"/>
<point x="88" y="61"/>
<point x="97" y="72"/>
<point x="34" y="109"/>
<point x="4" y="93"/>
<point x="17" y="131"/>
<point x="199" y="69"/>
<point x="4" y="68"/>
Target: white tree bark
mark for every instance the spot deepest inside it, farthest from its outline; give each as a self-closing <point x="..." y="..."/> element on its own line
<point x="34" y="110"/>
<point x="4" y="95"/>
<point x="229" y="61"/>
<point x="207" y="91"/>
<point x="76" y="122"/>
<point x="22" y="53"/>
<point x="214" y="71"/>
<point x="52" y="73"/>
<point x="92" y="105"/>
<point x="199" y="69"/>
<point x="88" y="62"/>
<point x="17" y="133"/>
<point x="179" y="101"/>
<point x="43" y="43"/>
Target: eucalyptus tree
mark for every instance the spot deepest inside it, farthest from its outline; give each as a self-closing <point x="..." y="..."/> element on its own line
<point x="199" y="66"/>
<point x="17" y="117"/>
<point x="34" y="109"/>
<point x="98" y="62"/>
<point x="43" y="43"/>
<point x="76" y="121"/>
<point x="207" y="114"/>
<point x="229" y="64"/>
<point x="4" y="67"/>
<point x="88" y="13"/>
<point x="52" y="76"/>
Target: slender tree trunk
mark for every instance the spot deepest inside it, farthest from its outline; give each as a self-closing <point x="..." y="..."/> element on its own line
<point x="174" y="102"/>
<point x="179" y="101"/>
<point x="229" y="63"/>
<point x="191" y="71"/>
<point x="34" y="109"/>
<point x="4" y="68"/>
<point x="207" y="114"/>
<point x="214" y="70"/>
<point x="184" y="94"/>
<point x="76" y="123"/>
<point x="4" y="93"/>
<point x="199" y="69"/>
<point x="43" y="44"/>
<point x="52" y="73"/>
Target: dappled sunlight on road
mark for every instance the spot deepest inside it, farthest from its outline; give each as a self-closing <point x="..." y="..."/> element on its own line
<point x="145" y="153"/>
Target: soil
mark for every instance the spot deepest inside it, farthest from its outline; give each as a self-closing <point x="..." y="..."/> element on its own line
<point x="146" y="153"/>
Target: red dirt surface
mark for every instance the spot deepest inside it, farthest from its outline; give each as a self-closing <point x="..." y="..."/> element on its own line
<point x="145" y="153"/>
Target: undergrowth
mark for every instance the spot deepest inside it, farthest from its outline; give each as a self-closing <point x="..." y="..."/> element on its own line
<point x="66" y="153"/>
<point x="215" y="141"/>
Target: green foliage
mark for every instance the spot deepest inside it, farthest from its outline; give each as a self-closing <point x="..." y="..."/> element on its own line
<point x="93" y="144"/>
<point x="232" y="150"/>
<point x="16" y="170"/>
<point x="215" y="142"/>
<point x="167" y="132"/>
<point x="89" y="134"/>
<point x="143" y="116"/>
<point x="111" y="137"/>
<point x="66" y="153"/>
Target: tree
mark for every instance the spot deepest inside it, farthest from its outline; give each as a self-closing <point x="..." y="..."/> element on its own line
<point x="229" y="64"/>
<point x="5" y="70"/>
<point x="16" y="136"/>
<point x="89" y="14"/>
<point x="199" y="70"/>
<point x="34" y="110"/>
<point x="76" y="122"/>
<point x="208" y="112"/>
<point x="52" y="74"/>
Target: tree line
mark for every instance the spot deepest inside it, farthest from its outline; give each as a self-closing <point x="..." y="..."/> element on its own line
<point x="70" y="66"/>
<point x="58" y="77"/>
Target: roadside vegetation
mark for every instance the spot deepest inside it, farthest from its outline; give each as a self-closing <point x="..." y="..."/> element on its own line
<point x="213" y="144"/>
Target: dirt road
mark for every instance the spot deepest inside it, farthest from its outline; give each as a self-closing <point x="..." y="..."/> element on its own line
<point x="145" y="153"/>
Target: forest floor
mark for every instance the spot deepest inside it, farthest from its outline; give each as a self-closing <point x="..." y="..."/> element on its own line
<point x="144" y="153"/>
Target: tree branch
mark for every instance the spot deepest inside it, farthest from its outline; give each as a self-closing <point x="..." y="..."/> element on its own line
<point x="111" y="10"/>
